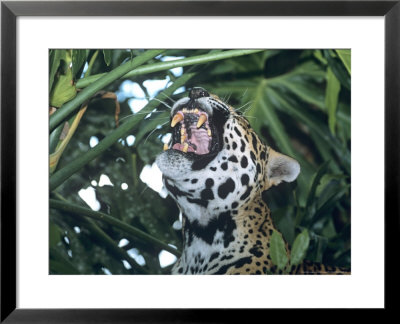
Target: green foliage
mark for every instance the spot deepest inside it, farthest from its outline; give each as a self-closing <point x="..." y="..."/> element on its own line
<point x="298" y="101"/>
<point x="283" y="259"/>
<point x="278" y="251"/>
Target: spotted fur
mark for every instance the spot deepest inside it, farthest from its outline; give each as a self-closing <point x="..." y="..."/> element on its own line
<point x="226" y="224"/>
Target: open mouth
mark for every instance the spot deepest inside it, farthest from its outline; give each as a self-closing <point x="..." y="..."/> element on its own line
<point x="193" y="132"/>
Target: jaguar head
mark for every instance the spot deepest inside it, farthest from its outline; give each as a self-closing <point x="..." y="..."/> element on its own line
<point x="215" y="160"/>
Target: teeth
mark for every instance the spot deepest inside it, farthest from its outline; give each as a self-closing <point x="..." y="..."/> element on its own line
<point x="185" y="147"/>
<point x="202" y="120"/>
<point x="196" y="111"/>
<point x="209" y="132"/>
<point x="183" y="137"/>
<point x="182" y="131"/>
<point x="165" y="147"/>
<point x="177" y="118"/>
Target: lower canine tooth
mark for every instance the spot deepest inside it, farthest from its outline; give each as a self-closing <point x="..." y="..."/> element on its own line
<point x="177" y="118"/>
<point x="202" y="120"/>
<point x="209" y="132"/>
<point x="185" y="147"/>
<point x="183" y="137"/>
<point x="165" y="147"/>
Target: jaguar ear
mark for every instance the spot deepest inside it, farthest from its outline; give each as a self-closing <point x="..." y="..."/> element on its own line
<point x="281" y="168"/>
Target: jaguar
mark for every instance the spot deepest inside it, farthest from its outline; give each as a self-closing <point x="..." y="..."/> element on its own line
<point x="216" y="168"/>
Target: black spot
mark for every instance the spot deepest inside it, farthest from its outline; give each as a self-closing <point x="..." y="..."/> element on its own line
<point x="262" y="155"/>
<point x="207" y="194"/>
<point x="233" y="159"/>
<point x="244" y="162"/>
<point x="209" y="183"/>
<point x="243" y="145"/>
<point x="237" y="264"/>
<point x="256" y="251"/>
<point x="175" y="191"/>
<point x="213" y="168"/>
<point x="245" y="179"/>
<point x="247" y="193"/>
<point x="194" y="180"/>
<point x="234" y="145"/>
<point x="180" y="270"/>
<point x="253" y="157"/>
<point x="254" y="141"/>
<point x="226" y="188"/>
<point x="213" y="256"/>
<point x="258" y="168"/>
<point x="257" y="210"/>
<point x="200" y="202"/>
<point x="201" y="162"/>
<point x="234" y="204"/>
<point x="223" y="223"/>
<point x="226" y="257"/>
<point x="224" y="166"/>
<point x="237" y="131"/>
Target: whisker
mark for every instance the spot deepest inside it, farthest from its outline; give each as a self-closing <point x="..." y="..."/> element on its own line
<point x="168" y="97"/>
<point x="246" y="104"/>
<point x="153" y="132"/>
<point x="164" y="103"/>
<point x="142" y="113"/>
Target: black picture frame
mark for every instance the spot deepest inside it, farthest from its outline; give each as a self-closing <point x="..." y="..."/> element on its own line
<point x="10" y="10"/>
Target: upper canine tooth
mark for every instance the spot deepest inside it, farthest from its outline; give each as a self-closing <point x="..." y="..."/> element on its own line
<point x="177" y="118"/>
<point x="202" y="120"/>
<point x="196" y="111"/>
<point x="185" y="147"/>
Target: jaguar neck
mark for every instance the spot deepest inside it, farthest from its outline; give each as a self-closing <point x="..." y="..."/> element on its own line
<point x="239" y="233"/>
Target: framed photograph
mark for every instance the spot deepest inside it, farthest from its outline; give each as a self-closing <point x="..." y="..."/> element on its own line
<point x="198" y="139"/>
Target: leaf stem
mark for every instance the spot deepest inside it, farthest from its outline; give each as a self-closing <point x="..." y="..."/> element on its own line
<point x="61" y="114"/>
<point x="162" y="66"/>
<point x="74" y="209"/>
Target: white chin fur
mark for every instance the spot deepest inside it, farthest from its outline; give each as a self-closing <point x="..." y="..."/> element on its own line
<point x="173" y="164"/>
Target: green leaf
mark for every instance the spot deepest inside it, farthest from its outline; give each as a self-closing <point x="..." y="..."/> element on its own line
<point x="345" y="56"/>
<point x="299" y="249"/>
<point x="338" y="69"/>
<point x="64" y="90"/>
<point x="264" y="113"/>
<point x="315" y="182"/>
<point x="107" y="56"/>
<point x="278" y="251"/>
<point x="78" y="59"/>
<point x="55" y="58"/>
<point x="54" y="235"/>
<point x="332" y="98"/>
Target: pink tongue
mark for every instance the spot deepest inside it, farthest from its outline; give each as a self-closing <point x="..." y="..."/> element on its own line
<point x="200" y="138"/>
<point x="179" y="147"/>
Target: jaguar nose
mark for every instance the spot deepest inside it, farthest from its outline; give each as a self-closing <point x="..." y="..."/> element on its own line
<point x="196" y="93"/>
